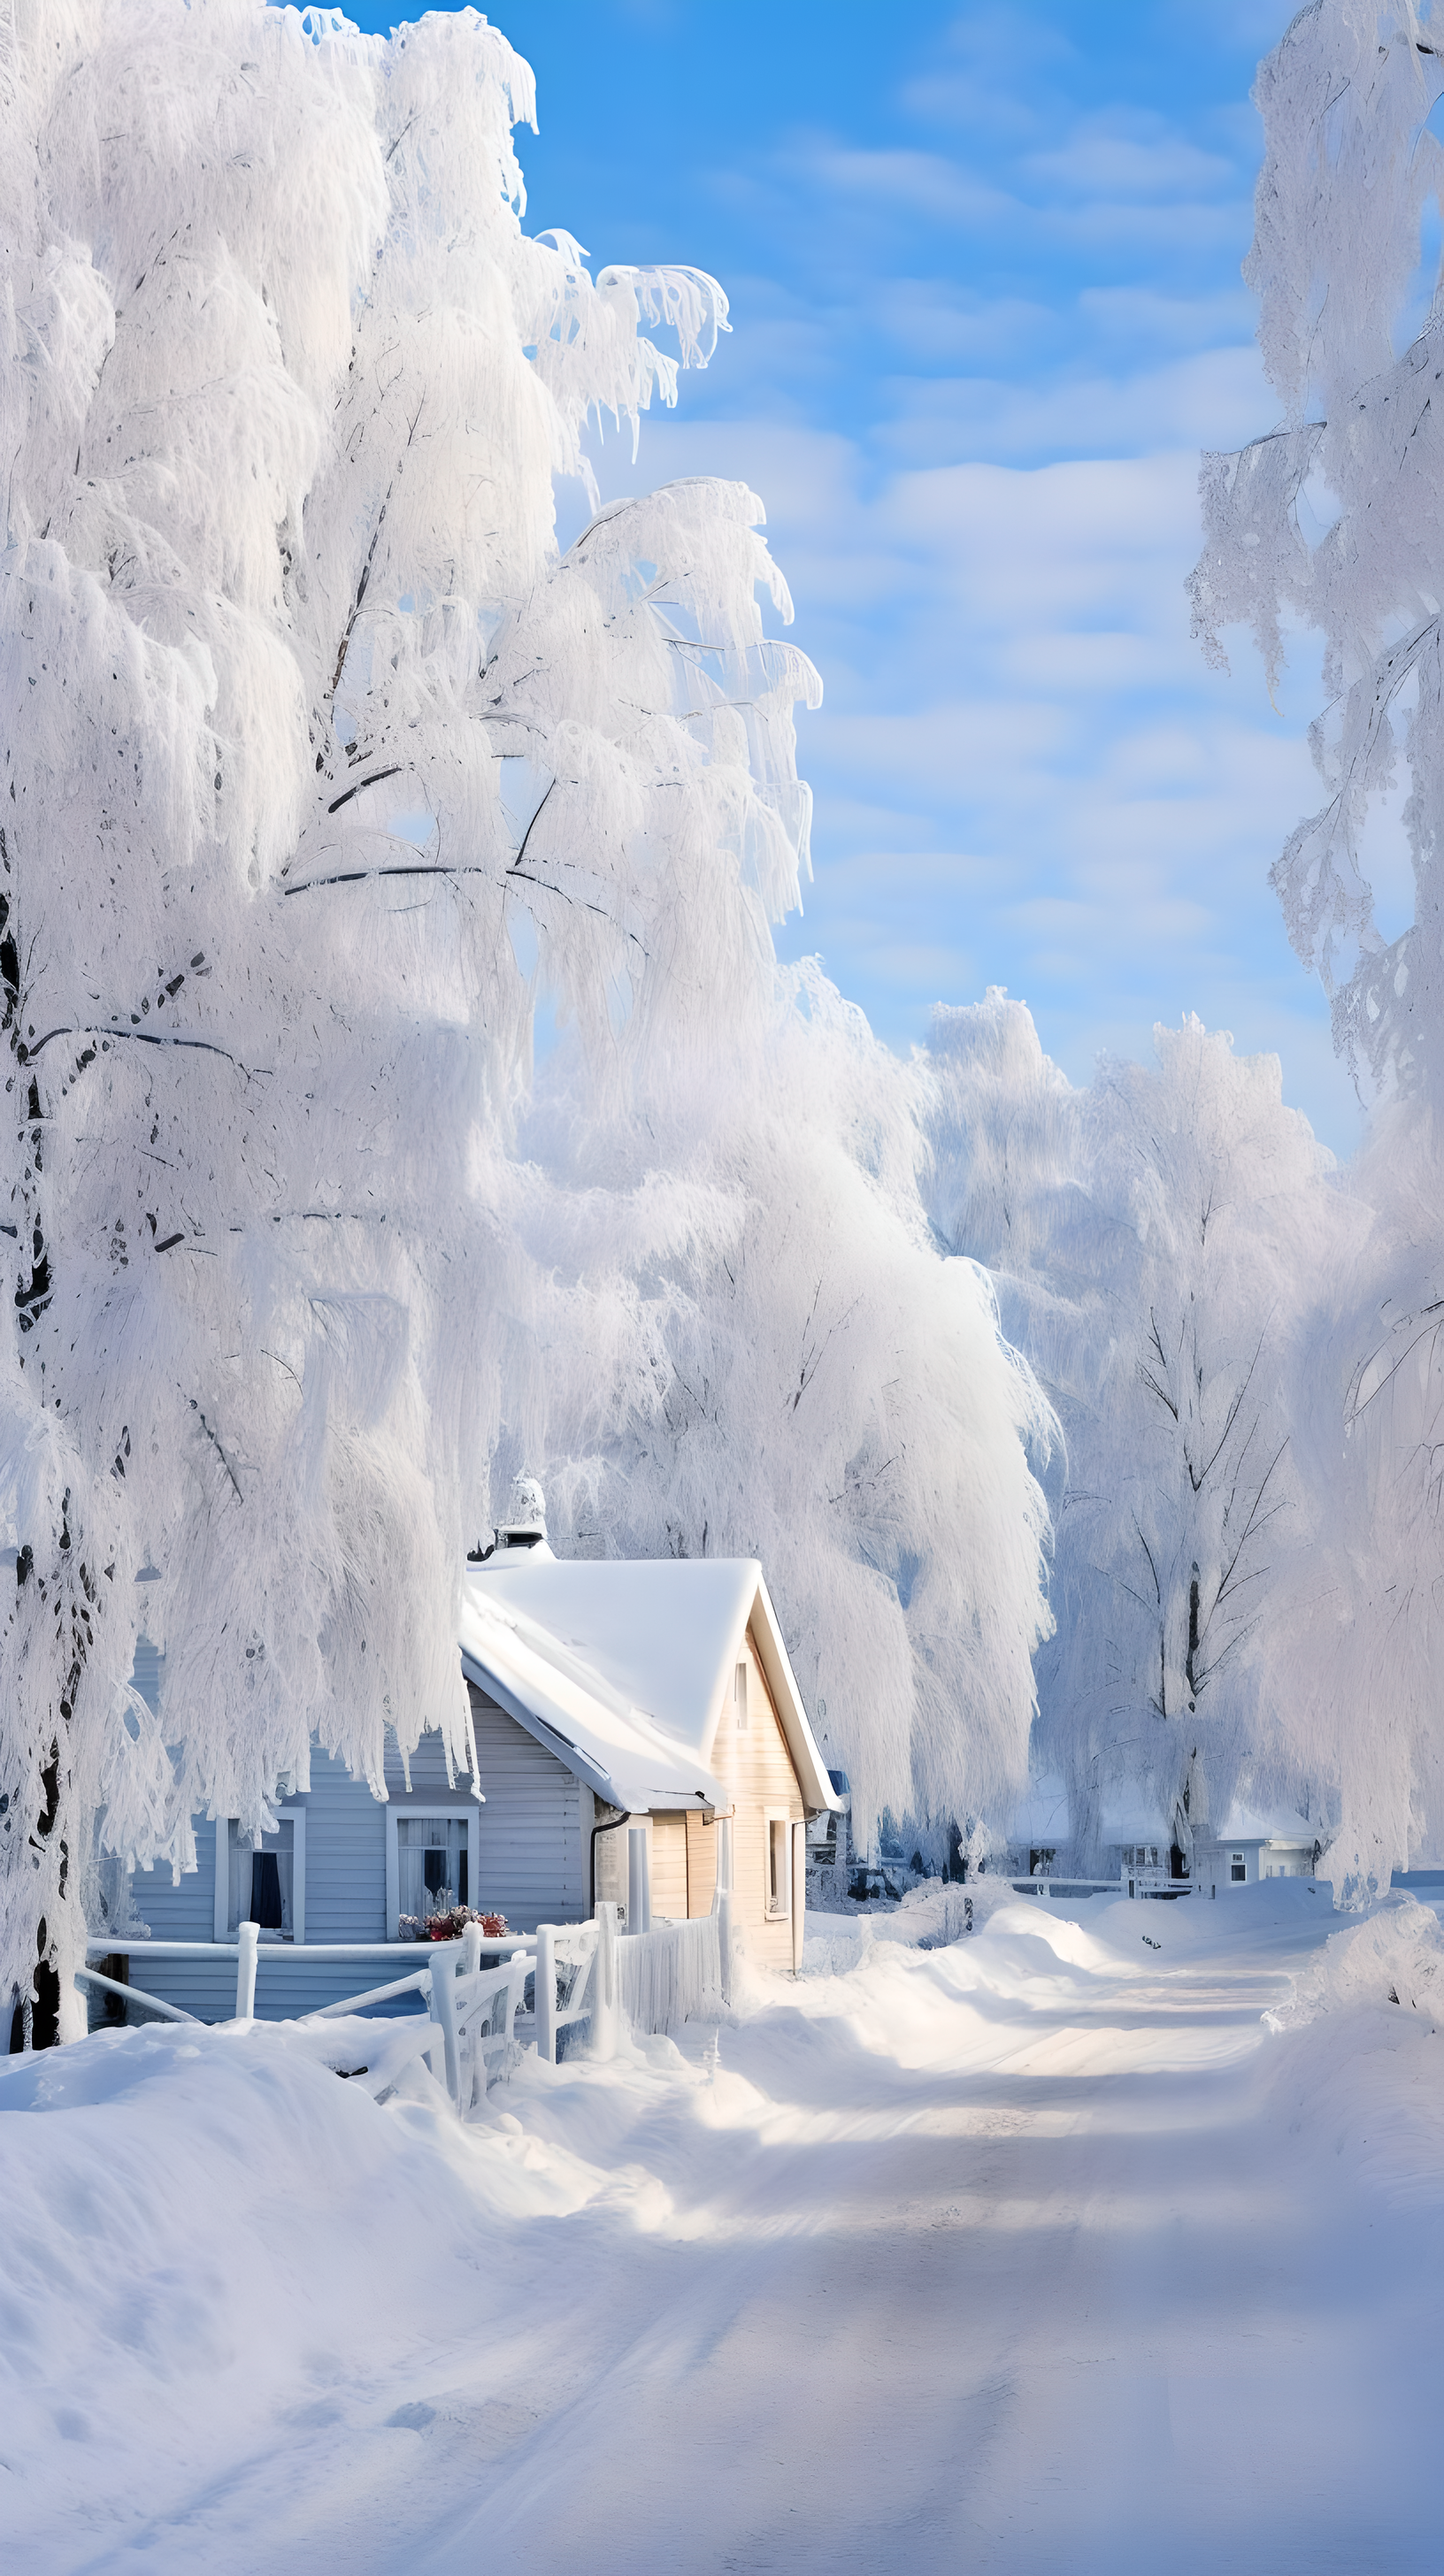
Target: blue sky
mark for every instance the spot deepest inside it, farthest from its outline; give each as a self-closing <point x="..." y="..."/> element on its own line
<point x="984" y="274"/>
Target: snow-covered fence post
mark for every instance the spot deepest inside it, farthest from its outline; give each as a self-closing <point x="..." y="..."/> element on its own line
<point x="248" y="1939"/>
<point x="443" y="2011"/>
<point x="470" y="1950"/>
<point x="799" y="1892"/>
<point x="722" y="1903"/>
<point x="639" y="1880"/>
<point x="606" y="1991"/>
<point x="545" y="1992"/>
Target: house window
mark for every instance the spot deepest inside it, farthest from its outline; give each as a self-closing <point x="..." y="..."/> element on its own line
<point x="1236" y="1869"/>
<point x="739" y="1695"/>
<point x="262" y="1883"/>
<point x="429" y="1860"/>
<point x="779" y="1868"/>
<point x="432" y="1855"/>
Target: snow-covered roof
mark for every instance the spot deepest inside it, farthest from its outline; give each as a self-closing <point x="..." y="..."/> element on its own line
<point x="1129" y="1817"/>
<point x="1266" y="1825"/>
<point x="621" y="1667"/>
<point x="1043" y="1815"/>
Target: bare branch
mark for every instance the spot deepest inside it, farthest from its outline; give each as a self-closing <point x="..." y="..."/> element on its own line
<point x="215" y="1444"/>
<point x="374" y="780"/>
<point x="531" y="827"/>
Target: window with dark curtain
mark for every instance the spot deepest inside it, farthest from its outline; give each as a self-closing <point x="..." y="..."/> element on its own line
<point x="266" y="1891"/>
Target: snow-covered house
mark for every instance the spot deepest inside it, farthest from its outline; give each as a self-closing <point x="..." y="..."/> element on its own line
<point x="1039" y="1836"/>
<point x="1253" y="1844"/>
<point x="628" y="1719"/>
<point x="1148" y="1849"/>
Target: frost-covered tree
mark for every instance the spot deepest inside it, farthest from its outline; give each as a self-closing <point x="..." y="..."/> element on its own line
<point x="318" y="759"/>
<point x="1334" y="520"/>
<point x="1351" y="1669"/>
<point x="755" y="1347"/>
<point x="1156" y="1241"/>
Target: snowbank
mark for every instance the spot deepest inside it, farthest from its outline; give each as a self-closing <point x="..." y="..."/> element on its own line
<point x="1394" y="1958"/>
<point x="998" y="2212"/>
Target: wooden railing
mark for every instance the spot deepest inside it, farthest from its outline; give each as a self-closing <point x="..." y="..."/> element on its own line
<point x="577" y="1972"/>
<point x="469" y="2027"/>
<point x="248" y="1951"/>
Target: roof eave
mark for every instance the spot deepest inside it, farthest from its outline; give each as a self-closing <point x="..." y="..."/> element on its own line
<point x="818" y="1793"/>
<point x="698" y="1791"/>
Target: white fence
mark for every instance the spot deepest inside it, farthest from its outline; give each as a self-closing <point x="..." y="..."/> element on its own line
<point x="1135" y="1883"/>
<point x="675" y="1972"/>
<point x="1060" y="1886"/>
<point x="577" y="1972"/>
<point x="248" y="1952"/>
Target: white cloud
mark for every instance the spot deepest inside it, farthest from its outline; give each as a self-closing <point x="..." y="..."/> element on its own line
<point x="1103" y="158"/>
<point x="972" y="393"/>
<point x="1211" y="398"/>
<point x="1024" y="772"/>
<point x="1133" y="317"/>
<point x="927" y="183"/>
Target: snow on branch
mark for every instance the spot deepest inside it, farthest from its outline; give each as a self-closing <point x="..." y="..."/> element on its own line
<point x="1333" y="519"/>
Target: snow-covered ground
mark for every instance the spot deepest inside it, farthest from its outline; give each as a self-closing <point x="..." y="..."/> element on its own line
<point x="1110" y="2235"/>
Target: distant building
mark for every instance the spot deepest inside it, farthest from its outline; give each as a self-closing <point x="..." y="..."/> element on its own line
<point x="1142" y="1844"/>
<point x="1039" y="1834"/>
<point x="1252" y="1845"/>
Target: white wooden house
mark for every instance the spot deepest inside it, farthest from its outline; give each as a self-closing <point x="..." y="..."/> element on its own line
<point x="1253" y="1844"/>
<point x="629" y="1719"/>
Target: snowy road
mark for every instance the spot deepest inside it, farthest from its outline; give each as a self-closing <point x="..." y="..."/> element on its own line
<point x="1035" y="2252"/>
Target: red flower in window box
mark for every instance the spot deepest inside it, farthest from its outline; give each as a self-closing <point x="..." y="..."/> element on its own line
<point x="450" y="1927"/>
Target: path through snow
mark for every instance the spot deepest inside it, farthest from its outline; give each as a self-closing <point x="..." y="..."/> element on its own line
<point x="1032" y="2252"/>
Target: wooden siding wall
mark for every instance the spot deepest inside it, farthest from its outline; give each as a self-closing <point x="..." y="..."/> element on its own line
<point x="683" y="1862"/>
<point x="532" y="1851"/>
<point x="755" y="1767"/>
<point x="701" y="1863"/>
<point x="669" y="1866"/>
<point x="528" y="1860"/>
<point x="345" y="1901"/>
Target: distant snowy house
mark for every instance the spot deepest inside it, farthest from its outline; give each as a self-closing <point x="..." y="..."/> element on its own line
<point x="1039" y="1830"/>
<point x="627" y="1717"/>
<point x="1147" y="1849"/>
<point x="1253" y="1844"/>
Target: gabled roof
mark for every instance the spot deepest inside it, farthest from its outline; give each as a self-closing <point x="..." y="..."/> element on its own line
<point x="1043" y="1815"/>
<point x="620" y="1667"/>
<point x="1130" y="1816"/>
<point x="1266" y="1825"/>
